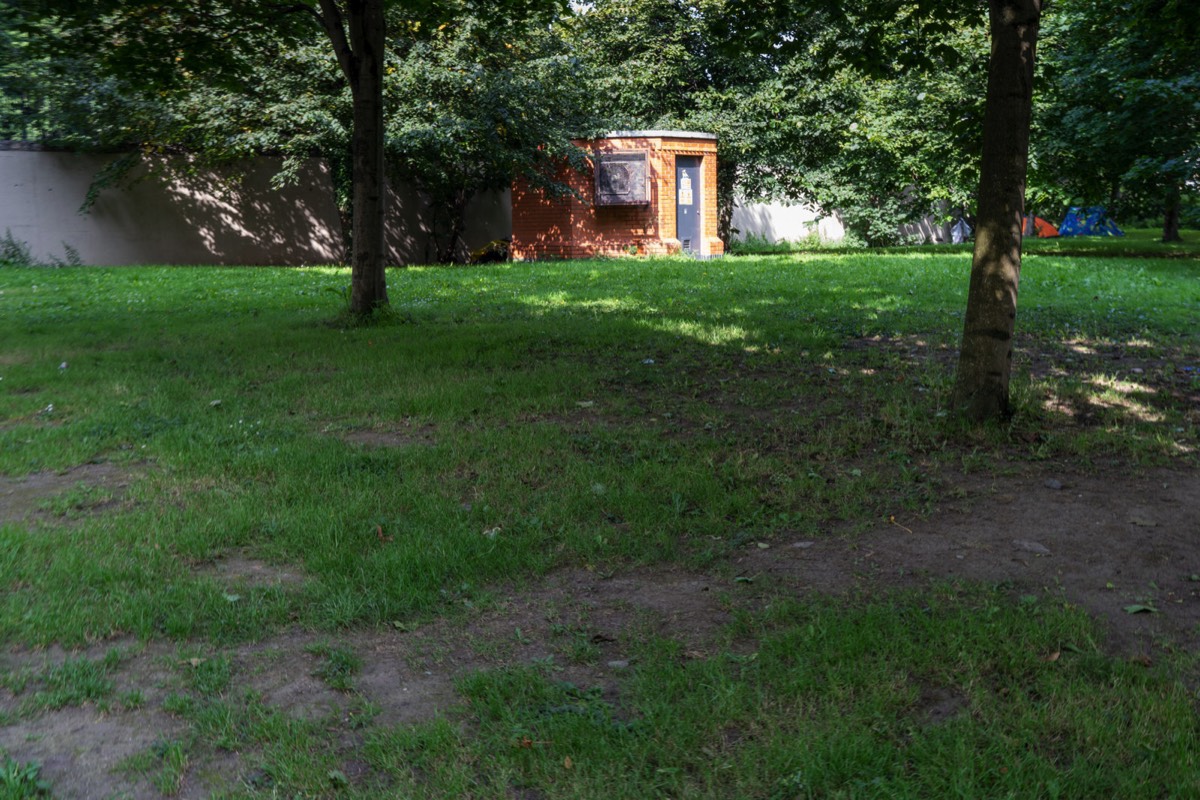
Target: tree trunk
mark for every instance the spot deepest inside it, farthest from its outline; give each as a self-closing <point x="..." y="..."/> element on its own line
<point x="1171" y="218"/>
<point x="357" y="31"/>
<point x="985" y="359"/>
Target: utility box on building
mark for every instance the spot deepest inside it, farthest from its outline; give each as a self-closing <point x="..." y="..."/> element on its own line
<point x="644" y="193"/>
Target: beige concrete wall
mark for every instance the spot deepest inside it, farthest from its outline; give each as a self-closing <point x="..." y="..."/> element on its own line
<point x="793" y="222"/>
<point x="168" y="218"/>
<point x="178" y="216"/>
<point x="778" y="222"/>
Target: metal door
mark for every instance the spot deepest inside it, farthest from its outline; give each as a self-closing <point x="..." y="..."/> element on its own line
<point x="687" y="202"/>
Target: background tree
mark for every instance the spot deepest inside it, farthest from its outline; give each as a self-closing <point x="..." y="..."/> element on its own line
<point x="867" y="114"/>
<point x="165" y="43"/>
<point x="1121" y="120"/>
<point x="476" y="105"/>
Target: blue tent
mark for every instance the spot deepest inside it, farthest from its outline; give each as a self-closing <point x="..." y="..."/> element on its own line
<point x="1092" y="221"/>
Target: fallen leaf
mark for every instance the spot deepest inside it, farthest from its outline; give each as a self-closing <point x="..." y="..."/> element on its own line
<point x="379" y="533"/>
<point x="1142" y="659"/>
<point x="568" y="763"/>
<point x="1052" y="657"/>
<point x="1140" y="609"/>
<point x="193" y="662"/>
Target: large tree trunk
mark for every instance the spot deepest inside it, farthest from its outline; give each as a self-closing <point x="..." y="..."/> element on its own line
<point x="357" y="30"/>
<point x="1171" y="218"/>
<point x="985" y="360"/>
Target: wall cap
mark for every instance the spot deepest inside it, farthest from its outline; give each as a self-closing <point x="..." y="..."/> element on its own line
<point x="657" y="134"/>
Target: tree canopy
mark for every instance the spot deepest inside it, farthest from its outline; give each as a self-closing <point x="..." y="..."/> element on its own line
<point x="1119" y="118"/>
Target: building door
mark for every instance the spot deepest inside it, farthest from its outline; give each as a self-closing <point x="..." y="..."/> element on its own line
<point x="687" y="202"/>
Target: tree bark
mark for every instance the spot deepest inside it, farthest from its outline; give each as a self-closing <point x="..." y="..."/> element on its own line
<point x="1171" y="217"/>
<point x="985" y="358"/>
<point x="357" y="30"/>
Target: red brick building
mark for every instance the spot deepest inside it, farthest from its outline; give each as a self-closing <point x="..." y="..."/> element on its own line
<point x="645" y="192"/>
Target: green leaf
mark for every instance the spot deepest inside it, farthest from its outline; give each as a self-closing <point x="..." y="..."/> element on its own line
<point x="1140" y="609"/>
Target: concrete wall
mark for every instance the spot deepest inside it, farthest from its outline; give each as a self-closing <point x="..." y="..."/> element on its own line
<point x="778" y="222"/>
<point x="183" y="216"/>
<point x="928" y="231"/>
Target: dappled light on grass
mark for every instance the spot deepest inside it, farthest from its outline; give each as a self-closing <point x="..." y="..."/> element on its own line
<point x="1105" y="395"/>
<point x="702" y="333"/>
<point x="1126" y="396"/>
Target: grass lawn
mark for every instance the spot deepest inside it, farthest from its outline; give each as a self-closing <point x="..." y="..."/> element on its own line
<point x="510" y="422"/>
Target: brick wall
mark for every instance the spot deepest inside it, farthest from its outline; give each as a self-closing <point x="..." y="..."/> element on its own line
<point x="568" y="227"/>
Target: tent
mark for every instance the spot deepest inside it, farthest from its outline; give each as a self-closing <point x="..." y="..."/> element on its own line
<point x="960" y="231"/>
<point x="1036" y="226"/>
<point x="1092" y="221"/>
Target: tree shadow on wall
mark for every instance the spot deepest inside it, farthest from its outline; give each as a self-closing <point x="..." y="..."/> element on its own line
<point x="172" y="211"/>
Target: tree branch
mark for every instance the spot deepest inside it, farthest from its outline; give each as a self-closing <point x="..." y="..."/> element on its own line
<point x="331" y="19"/>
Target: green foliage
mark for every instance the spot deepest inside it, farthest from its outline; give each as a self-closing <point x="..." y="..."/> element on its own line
<point x="1118" y="121"/>
<point x="801" y="111"/>
<point x="474" y="106"/>
<point x="17" y="253"/>
<point x="21" y="781"/>
<point x="338" y="666"/>
<point x="469" y="103"/>
<point x="14" y="252"/>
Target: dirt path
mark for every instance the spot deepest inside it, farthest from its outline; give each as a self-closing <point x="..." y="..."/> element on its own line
<point x="1108" y="543"/>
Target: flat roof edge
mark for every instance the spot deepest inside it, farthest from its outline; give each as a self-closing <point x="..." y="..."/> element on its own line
<point x="657" y="134"/>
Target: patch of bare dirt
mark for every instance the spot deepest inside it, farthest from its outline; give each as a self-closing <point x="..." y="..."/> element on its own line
<point x="238" y="568"/>
<point x="404" y="434"/>
<point x="23" y="498"/>
<point x="1106" y="542"/>
<point x="79" y="748"/>
<point x="282" y="670"/>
